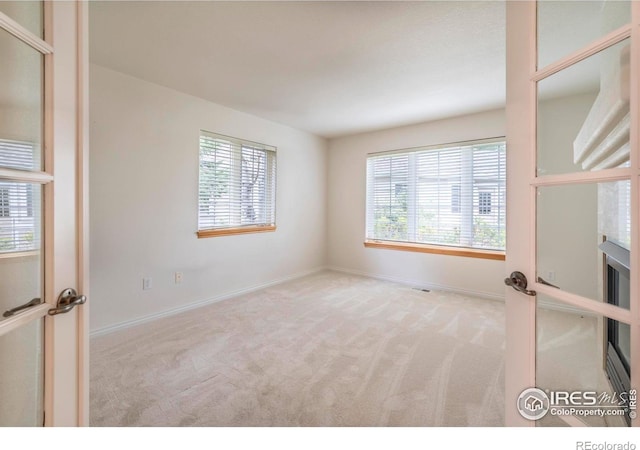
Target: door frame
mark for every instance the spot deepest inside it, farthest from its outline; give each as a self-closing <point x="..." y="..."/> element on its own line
<point x="522" y="182"/>
<point x="65" y="156"/>
<point x="82" y="205"/>
<point x="519" y="310"/>
<point x="67" y="370"/>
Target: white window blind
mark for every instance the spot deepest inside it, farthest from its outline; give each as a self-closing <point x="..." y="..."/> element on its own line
<point x="19" y="155"/>
<point x="447" y="195"/>
<point x="237" y="183"/>
<point x="20" y="209"/>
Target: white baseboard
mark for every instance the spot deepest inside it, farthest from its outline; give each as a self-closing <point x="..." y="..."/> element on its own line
<point x="556" y="306"/>
<point x="229" y="295"/>
<point x="420" y="284"/>
<point x="170" y="312"/>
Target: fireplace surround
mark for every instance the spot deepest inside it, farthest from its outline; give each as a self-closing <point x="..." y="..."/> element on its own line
<point x="617" y="334"/>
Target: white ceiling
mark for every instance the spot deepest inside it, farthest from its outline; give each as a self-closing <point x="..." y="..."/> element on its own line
<point x="335" y="68"/>
<point x="330" y="68"/>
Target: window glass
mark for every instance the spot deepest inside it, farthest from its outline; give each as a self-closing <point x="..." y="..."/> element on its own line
<point x="450" y="195"/>
<point x="237" y="183"/>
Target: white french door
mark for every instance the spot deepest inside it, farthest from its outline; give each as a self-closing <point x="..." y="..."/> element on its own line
<point x="573" y="174"/>
<point x="43" y="323"/>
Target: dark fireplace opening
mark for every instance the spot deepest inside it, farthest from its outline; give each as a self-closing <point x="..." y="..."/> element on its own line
<point x="618" y="334"/>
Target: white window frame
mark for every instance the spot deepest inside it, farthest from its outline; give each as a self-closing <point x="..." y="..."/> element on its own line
<point x="465" y="247"/>
<point x="236" y="223"/>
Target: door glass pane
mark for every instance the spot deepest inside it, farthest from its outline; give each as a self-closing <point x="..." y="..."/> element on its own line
<point x="573" y="221"/>
<point x="583" y="114"/>
<point x="567" y="26"/>
<point x="575" y="355"/>
<point x="21" y="376"/>
<point x="20" y="244"/>
<point x="21" y="104"/>
<point x="28" y="13"/>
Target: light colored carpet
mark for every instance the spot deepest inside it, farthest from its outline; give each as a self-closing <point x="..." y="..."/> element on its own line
<point x="326" y="350"/>
<point x="570" y="357"/>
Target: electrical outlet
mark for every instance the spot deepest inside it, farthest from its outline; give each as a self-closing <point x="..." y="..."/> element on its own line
<point x="551" y="276"/>
<point x="178" y="277"/>
<point x="147" y="283"/>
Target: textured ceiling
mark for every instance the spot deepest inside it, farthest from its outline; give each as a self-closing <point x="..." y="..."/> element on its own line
<point x="335" y="68"/>
<point x="331" y="68"/>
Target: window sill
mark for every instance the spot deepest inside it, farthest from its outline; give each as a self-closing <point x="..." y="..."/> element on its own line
<point x="437" y="249"/>
<point x="23" y="254"/>
<point x="237" y="230"/>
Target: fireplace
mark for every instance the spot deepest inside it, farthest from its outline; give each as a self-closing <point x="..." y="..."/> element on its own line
<point x="617" y="334"/>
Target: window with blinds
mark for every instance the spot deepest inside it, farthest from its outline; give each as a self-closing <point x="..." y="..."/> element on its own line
<point x="237" y="183"/>
<point x="19" y="202"/>
<point x="451" y="195"/>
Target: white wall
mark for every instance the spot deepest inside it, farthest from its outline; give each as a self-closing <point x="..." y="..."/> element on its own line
<point x="144" y="178"/>
<point x="567" y="222"/>
<point x="144" y="162"/>
<point x="567" y="215"/>
<point x="347" y="194"/>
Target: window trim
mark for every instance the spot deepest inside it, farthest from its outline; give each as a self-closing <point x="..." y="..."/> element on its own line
<point x="439" y="249"/>
<point x="213" y="232"/>
<point x="497" y="255"/>
<point x="20" y="254"/>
